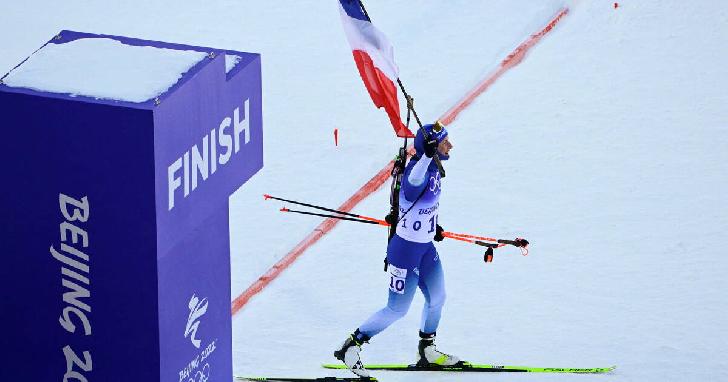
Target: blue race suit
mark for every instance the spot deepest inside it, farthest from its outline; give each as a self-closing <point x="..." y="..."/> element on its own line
<point x="413" y="259"/>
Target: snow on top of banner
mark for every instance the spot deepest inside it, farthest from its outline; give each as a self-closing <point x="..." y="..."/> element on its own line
<point x="231" y="61"/>
<point x="364" y="36"/>
<point x="104" y="68"/>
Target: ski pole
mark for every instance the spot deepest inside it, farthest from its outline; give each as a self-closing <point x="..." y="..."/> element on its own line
<point x="473" y="239"/>
<point x="449" y="235"/>
<point x="464" y="235"/>
<point x="487" y="256"/>
<point x="266" y="197"/>
<point x="411" y="106"/>
<point x="368" y="219"/>
<point x="519" y="242"/>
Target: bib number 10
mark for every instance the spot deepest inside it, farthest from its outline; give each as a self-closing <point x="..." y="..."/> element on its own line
<point x="396" y="285"/>
<point x="397" y="279"/>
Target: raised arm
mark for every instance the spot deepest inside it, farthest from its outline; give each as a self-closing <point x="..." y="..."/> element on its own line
<point x="416" y="180"/>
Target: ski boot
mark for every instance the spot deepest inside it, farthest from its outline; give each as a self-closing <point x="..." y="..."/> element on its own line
<point x="429" y="356"/>
<point x="349" y="353"/>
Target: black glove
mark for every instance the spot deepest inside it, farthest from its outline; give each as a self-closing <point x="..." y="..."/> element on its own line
<point x="391" y="218"/>
<point x="438" y="233"/>
<point x="431" y="147"/>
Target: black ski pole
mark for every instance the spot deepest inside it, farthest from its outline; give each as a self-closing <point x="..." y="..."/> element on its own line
<point x="266" y="196"/>
<point x="334" y="216"/>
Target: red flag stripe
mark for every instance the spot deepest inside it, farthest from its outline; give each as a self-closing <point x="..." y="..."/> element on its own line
<point x="382" y="91"/>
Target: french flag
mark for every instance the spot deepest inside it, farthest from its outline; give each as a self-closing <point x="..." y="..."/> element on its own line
<point x="374" y="57"/>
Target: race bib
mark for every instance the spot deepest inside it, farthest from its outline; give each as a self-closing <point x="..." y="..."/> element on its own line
<point x="418" y="223"/>
<point x="397" y="279"/>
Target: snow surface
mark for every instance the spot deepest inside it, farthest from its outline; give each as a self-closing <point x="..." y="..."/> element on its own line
<point x="606" y="148"/>
<point x="103" y="68"/>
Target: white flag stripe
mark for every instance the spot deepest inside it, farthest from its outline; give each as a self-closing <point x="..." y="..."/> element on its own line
<point x="362" y="35"/>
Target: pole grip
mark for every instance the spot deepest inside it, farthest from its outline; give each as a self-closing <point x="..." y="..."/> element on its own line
<point x="485" y="244"/>
<point x="488" y="256"/>
<point x="520" y="243"/>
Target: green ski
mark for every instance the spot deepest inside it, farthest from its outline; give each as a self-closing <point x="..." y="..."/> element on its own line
<point x="469" y="367"/>
<point x="321" y="379"/>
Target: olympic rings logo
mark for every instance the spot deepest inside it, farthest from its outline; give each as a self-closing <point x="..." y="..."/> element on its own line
<point x="435" y="184"/>
<point x="202" y="375"/>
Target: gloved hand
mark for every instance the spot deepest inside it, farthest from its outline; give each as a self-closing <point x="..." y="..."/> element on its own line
<point x="391" y="218"/>
<point x="431" y="147"/>
<point x="438" y="233"/>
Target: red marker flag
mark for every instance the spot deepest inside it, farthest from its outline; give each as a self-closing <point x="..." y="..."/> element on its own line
<point x="374" y="57"/>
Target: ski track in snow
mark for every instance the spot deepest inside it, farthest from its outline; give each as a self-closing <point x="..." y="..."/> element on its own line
<point x="605" y="148"/>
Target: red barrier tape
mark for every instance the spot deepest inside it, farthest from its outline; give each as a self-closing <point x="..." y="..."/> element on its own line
<point x="509" y="62"/>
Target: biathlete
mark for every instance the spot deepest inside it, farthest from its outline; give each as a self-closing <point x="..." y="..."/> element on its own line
<point x="412" y="258"/>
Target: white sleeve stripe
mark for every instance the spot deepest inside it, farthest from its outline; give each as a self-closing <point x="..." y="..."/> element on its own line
<point x="419" y="170"/>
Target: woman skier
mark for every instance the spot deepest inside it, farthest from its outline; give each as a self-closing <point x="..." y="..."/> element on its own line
<point x="412" y="258"/>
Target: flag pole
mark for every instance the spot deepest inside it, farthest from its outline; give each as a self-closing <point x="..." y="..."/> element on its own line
<point x="410" y="105"/>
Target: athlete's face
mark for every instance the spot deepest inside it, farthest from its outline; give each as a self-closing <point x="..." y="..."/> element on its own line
<point x="445" y="146"/>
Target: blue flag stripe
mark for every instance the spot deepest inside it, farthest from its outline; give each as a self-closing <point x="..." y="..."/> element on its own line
<point x="353" y="9"/>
